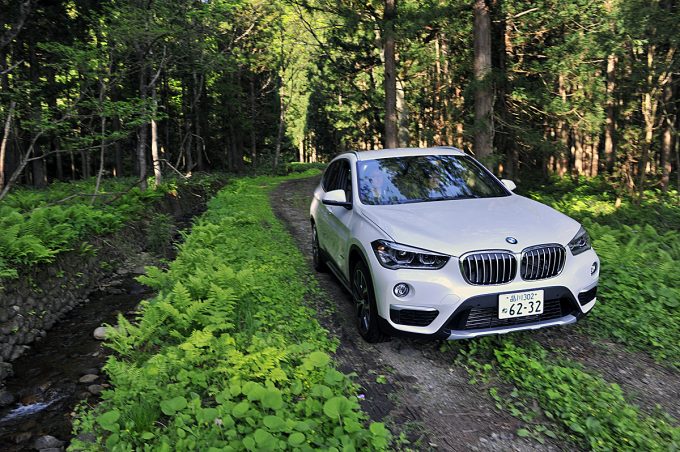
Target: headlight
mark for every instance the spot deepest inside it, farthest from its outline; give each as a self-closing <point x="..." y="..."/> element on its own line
<point x="580" y="242"/>
<point x="394" y="255"/>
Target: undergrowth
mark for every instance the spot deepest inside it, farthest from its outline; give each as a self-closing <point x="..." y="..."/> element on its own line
<point x="639" y="246"/>
<point x="227" y="356"/>
<point x="36" y="225"/>
<point x="560" y="399"/>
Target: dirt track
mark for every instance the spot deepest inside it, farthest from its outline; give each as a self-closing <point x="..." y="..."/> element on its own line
<point x="418" y="390"/>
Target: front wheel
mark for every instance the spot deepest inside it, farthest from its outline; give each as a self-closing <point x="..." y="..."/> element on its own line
<point x="318" y="263"/>
<point x="364" y="302"/>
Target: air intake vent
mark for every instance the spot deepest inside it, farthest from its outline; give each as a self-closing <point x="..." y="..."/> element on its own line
<point x="413" y="317"/>
<point x="489" y="267"/>
<point x="543" y="261"/>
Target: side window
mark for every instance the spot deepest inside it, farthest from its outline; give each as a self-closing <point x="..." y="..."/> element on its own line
<point x="346" y="179"/>
<point x="329" y="177"/>
<point x="338" y="176"/>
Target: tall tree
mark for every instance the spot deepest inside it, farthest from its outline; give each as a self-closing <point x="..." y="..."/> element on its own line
<point x="483" y="142"/>
<point x="389" y="46"/>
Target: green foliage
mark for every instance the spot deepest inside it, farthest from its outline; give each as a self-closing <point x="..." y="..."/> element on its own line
<point x="638" y="294"/>
<point x="36" y="225"/>
<point x="297" y="167"/>
<point x="586" y="408"/>
<point x="228" y="356"/>
<point x="160" y="229"/>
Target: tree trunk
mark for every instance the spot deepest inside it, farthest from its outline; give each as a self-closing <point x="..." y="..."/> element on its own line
<point x="117" y="154"/>
<point x="437" y="98"/>
<point x="667" y="137"/>
<point x="595" y="157"/>
<point x="38" y="163"/>
<point x="142" y="137"/>
<point x="3" y="144"/>
<point x="154" y="140"/>
<point x="610" y="126"/>
<point x="196" y="107"/>
<point x="253" y="120"/>
<point x="578" y="153"/>
<point x="403" y="112"/>
<point x="21" y="166"/>
<point x="391" y="118"/>
<point x="282" y="118"/>
<point x="460" y="127"/>
<point x="188" y="135"/>
<point x="562" y="160"/>
<point x="102" y="145"/>
<point x="483" y="140"/>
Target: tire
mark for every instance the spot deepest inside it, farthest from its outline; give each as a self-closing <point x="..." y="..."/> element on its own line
<point x="317" y="259"/>
<point x="366" y="311"/>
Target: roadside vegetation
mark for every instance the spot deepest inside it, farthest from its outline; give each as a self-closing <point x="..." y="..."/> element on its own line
<point x="228" y="355"/>
<point x="558" y="398"/>
<point x="36" y="225"/>
<point x="639" y="245"/>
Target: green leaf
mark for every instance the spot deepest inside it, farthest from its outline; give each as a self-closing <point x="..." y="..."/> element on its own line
<point x="240" y="409"/>
<point x="264" y="439"/>
<point x="550" y="434"/>
<point x="378" y="429"/>
<point x="109" y="420"/>
<point x="206" y="415"/>
<point x="296" y="439"/>
<point x="172" y="406"/>
<point x="336" y="407"/>
<point x="318" y="359"/>
<point x="523" y="433"/>
<point x="249" y="443"/>
<point x="274" y="423"/>
<point x="272" y="399"/>
<point x="112" y="441"/>
<point x="577" y="428"/>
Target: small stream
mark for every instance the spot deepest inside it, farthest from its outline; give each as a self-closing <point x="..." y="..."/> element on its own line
<point x="46" y="378"/>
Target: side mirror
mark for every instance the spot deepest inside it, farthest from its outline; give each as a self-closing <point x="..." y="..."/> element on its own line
<point x="510" y="185"/>
<point x="336" y="198"/>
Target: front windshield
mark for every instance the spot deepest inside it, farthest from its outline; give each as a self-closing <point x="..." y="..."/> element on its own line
<point x="423" y="178"/>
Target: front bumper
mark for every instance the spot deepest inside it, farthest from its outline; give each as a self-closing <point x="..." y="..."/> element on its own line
<point x="442" y="305"/>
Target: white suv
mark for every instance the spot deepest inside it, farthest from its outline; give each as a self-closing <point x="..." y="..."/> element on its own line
<point x="429" y="242"/>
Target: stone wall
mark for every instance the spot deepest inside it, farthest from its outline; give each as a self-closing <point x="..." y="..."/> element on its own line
<point x="43" y="294"/>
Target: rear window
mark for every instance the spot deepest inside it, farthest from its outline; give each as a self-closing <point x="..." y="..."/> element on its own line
<point x="426" y="178"/>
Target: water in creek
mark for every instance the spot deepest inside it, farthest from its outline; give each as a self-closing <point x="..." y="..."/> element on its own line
<point x="46" y="378"/>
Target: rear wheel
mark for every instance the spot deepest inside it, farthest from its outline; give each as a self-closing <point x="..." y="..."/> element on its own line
<point x="319" y="264"/>
<point x="364" y="302"/>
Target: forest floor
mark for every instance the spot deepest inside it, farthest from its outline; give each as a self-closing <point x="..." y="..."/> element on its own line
<point x="416" y="387"/>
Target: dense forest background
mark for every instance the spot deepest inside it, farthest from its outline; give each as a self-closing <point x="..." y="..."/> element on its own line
<point x="533" y="88"/>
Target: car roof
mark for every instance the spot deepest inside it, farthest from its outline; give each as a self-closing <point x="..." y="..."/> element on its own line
<point x="406" y="152"/>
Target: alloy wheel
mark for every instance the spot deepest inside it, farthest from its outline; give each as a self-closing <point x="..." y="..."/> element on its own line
<point x="361" y="298"/>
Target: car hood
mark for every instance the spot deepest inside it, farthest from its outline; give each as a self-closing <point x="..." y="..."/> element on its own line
<point x="458" y="226"/>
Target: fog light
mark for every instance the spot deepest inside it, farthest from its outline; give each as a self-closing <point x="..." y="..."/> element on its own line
<point x="401" y="290"/>
<point x="593" y="268"/>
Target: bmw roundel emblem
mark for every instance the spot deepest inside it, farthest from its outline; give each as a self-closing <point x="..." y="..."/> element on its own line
<point x="511" y="240"/>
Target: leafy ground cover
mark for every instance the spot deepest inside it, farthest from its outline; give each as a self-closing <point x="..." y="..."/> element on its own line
<point x="639" y="246"/>
<point x="228" y="356"/>
<point x="560" y="399"/>
<point x="36" y="225"/>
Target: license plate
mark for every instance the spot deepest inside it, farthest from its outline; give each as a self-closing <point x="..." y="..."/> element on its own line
<point x="520" y="304"/>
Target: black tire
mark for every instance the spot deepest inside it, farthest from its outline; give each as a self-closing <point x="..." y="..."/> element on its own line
<point x="365" y="306"/>
<point x="317" y="258"/>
